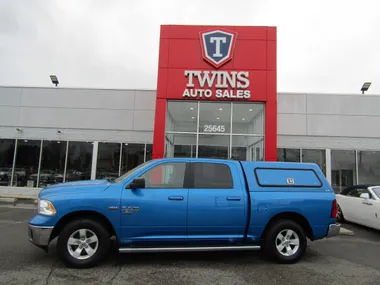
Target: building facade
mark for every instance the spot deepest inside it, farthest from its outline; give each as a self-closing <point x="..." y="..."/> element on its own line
<point x="216" y="97"/>
<point x="50" y="135"/>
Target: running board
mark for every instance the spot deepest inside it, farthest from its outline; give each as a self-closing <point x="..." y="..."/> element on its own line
<point x="189" y="249"/>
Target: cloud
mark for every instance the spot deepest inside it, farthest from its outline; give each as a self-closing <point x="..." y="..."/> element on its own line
<point x="323" y="46"/>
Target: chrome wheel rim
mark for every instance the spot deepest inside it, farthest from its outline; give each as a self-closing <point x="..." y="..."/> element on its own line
<point x="82" y="244"/>
<point x="287" y="242"/>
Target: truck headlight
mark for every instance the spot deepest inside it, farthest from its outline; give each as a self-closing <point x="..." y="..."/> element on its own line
<point x="46" y="207"/>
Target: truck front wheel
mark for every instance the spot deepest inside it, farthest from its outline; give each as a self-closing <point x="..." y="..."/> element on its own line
<point x="285" y="241"/>
<point x="83" y="243"/>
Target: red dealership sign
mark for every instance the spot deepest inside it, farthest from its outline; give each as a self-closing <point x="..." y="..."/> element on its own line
<point x="218" y="63"/>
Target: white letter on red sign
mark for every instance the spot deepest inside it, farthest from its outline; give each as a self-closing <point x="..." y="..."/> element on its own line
<point x="217" y="41"/>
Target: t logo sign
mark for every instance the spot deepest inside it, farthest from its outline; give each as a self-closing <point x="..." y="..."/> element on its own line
<point x="217" y="46"/>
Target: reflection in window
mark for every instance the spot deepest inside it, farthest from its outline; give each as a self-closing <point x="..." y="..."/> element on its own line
<point x="288" y="154"/>
<point x="132" y="156"/>
<point x="247" y="118"/>
<point x="7" y="148"/>
<point x="167" y="175"/>
<point x="315" y="156"/>
<point x="343" y="169"/>
<point x="27" y="161"/>
<point x="108" y="160"/>
<point x="369" y="167"/>
<point x="79" y="161"/>
<point x="52" y="163"/>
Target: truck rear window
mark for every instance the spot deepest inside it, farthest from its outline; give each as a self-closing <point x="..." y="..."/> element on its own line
<point x="285" y="177"/>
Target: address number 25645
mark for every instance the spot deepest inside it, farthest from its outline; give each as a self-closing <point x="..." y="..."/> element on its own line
<point x="214" y="129"/>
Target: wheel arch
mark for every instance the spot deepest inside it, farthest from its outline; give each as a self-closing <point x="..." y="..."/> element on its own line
<point x="82" y="214"/>
<point x="293" y="216"/>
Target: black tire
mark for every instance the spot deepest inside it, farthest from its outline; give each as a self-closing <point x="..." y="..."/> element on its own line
<point x="340" y="216"/>
<point x="270" y="241"/>
<point x="92" y="227"/>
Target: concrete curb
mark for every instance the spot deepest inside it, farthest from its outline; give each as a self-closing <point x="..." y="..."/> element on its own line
<point x="17" y="201"/>
<point x="346" y="232"/>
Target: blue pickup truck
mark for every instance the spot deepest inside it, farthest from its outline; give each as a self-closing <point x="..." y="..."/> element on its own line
<point x="185" y="204"/>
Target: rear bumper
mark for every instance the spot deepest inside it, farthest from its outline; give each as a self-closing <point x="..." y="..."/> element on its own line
<point x="40" y="236"/>
<point x="334" y="230"/>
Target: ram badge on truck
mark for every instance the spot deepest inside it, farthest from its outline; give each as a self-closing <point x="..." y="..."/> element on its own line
<point x="184" y="204"/>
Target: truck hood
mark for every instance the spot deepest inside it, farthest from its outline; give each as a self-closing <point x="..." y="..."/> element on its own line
<point x="74" y="187"/>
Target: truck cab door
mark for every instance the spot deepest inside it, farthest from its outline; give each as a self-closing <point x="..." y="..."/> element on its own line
<point x="157" y="212"/>
<point x="218" y="207"/>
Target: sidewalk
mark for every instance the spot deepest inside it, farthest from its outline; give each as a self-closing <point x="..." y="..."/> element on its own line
<point x="13" y="194"/>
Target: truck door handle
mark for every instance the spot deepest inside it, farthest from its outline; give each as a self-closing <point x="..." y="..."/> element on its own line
<point x="233" y="198"/>
<point x="368" y="203"/>
<point x="175" y="198"/>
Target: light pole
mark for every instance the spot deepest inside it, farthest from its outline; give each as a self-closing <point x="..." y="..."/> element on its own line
<point x="54" y="80"/>
<point x="365" y="87"/>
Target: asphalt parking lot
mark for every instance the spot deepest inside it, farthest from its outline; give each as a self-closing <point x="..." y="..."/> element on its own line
<point x="339" y="260"/>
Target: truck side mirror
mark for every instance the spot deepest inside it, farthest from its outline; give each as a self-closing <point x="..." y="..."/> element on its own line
<point x="364" y="196"/>
<point x="137" y="183"/>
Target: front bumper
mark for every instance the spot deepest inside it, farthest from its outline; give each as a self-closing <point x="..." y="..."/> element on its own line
<point x="40" y="236"/>
<point x="334" y="230"/>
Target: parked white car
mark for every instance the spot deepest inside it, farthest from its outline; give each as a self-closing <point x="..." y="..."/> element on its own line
<point x="360" y="204"/>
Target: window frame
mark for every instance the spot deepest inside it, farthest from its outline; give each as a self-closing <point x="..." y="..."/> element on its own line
<point x="287" y="185"/>
<point x="191" y="180"/>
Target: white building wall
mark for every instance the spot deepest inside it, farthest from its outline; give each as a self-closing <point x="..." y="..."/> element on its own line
<point x="328" y="121"/>
<point x="80" y="114"/>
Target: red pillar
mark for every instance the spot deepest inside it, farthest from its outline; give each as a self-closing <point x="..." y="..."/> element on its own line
<point x="158" y="150"/>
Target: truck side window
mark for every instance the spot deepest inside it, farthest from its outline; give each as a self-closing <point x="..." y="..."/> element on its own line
<point x="166" y="175"/>
<point x="212" y="175"/>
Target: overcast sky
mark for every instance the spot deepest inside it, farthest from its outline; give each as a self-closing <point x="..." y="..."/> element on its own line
<point x="323" y="46"/>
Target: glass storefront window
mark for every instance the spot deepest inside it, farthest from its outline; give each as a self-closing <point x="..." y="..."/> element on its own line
<point x="211" y="128"/>
<point x="317" y="156"/>
<point x="108" y="161"/>
<point x="184" y="151"/>
<point x="343" y="169"/>
<point x="369" y="167"/>
<point x="79" y="161"/>
<point x="52" y="163"/>
<point x="247" y="148"/>
<point x="181" y="116"/>
<point x="180" y="145"/>
<point x="132" y="156"/>
<point x="213" y="146"/>
<point x="288" y="154"/>
<point x="214" y="117"/>
<point x="247" y="118"/>
<point x="36" y="167"/>
<point x="27" y="161"/>
<point x="7" y="148"/>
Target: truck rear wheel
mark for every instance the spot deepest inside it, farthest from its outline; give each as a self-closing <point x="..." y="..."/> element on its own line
<point x="83" y="243"/>
<point x="285" y="241"/>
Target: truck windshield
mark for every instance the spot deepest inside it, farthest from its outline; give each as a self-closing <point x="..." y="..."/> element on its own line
<point x="133" y="170"/>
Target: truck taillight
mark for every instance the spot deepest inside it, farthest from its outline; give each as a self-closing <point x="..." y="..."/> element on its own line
<point x="334" y="210"/>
